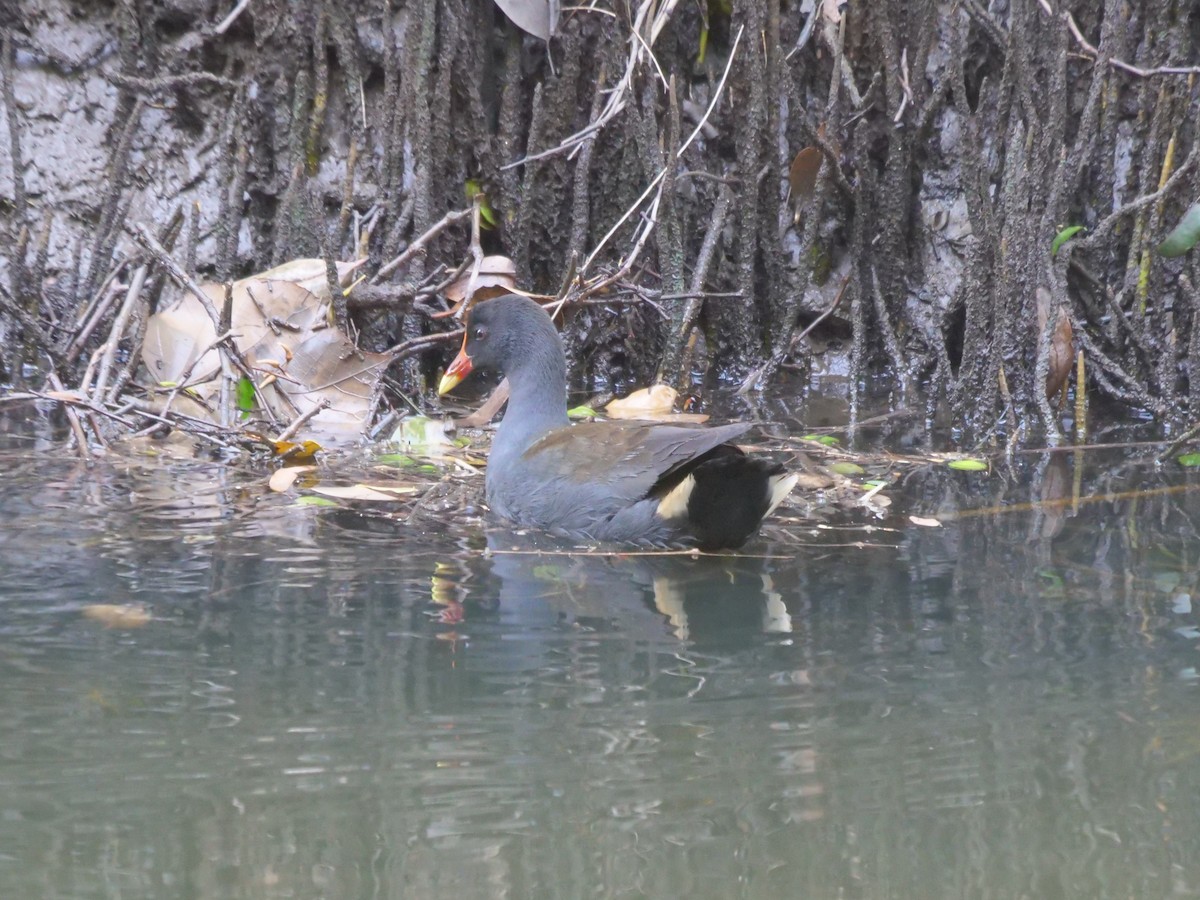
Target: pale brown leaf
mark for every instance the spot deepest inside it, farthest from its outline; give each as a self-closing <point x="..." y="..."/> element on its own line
<point x="117" y="615"/>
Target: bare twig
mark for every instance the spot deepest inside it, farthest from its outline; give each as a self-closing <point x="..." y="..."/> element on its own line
<point x="476" y="257"/>
<point x="753" y="378"/>
<point x="417" y="245"/>
<point x="656" y="182"/>
<point x="224" y="24"/>
<point x="409" y="347"/>
<point x="132" y="296"/>
<point x="73" y="418"/>
<point x="487" y="411"/>
<point x="99" y="309"/>
<point x="650" y="17"/>
<point x="171" y="82"/>
<point x="1120" y="63"/>
<point x="299" y="422"/>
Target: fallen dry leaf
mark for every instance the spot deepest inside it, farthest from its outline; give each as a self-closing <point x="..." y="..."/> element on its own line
<point x="497" y="275"/>
<point x="655" y="403"/>
<point x="803" y="173"/>
<point x="281" y="314"/>
<point x="117" y="615"/>
<point x="282" y="479"/>
<point x="374" y="492"/>
<point x="1062" y="355"/>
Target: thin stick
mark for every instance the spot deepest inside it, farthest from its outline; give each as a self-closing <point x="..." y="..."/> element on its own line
<point x="617" y="95"/>
<point x="1120" y="63"/>
<point x="73" y="418"/>
<point x="753" y="377"/>
<point x="1060" y="502"/>
<point x="99" y="310"/>
<point x="117" y="332"/>
<point x="694" y="554"/>
<point x="229" y="19"/>
<point x="488" y="410"/>
<point x="430" y="340"/>
<point x="476" y="257"/>
<point x="679" y="155"/>
<point x="299" y="422"/>
<point x="417" y="245"/>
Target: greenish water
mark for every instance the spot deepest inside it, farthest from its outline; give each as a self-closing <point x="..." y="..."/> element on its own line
<point x="323" y="705"/>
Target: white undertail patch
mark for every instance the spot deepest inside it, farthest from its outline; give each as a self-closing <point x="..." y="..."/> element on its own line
<point x="779" y="486"/>
<point x="675" y="504"/>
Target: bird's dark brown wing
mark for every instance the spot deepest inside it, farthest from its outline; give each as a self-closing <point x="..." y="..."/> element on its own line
<point x="629" y="459"/>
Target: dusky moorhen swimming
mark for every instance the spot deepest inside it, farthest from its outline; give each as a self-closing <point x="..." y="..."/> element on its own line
<point x="635" y="482"/>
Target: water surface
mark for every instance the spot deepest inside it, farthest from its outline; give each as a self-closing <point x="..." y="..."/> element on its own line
<point x="330" y="705"/>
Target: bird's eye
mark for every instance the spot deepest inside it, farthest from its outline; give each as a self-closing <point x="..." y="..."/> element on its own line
<point x="479" y="332"/>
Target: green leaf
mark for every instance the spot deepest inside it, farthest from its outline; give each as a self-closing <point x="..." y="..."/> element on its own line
<point x="420" y="434"/>
<point x="877" y="483"/>
<point x="428" y="468"/>
<point x="968" y="465"/>
<point x="826" y="439"/>
<point x="581" y="412"/>
<point x="245" y="396"/>
<point x="486" y="213"/>
<point x="1189" y="459"/>
<point x="310" y="500"/>
<point x="1063" y="236"/>
<point x="847" y="468"/>
<point x="396" y="459"/>
<point x="1184" y="236"/>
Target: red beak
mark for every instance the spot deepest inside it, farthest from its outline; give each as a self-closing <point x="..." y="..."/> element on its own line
<point x="459" y="369"/>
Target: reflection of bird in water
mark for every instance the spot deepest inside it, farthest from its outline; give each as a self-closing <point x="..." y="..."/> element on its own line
<point x="535" y="582"/>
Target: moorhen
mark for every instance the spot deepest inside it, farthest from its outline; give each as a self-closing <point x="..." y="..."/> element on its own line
<point x="631" y="482"/>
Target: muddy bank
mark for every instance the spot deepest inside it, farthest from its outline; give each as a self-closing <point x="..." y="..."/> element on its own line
<point x="646" y="182"/>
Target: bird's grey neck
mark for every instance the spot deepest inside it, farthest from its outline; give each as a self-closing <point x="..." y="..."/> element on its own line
<point x="537" y="400"/>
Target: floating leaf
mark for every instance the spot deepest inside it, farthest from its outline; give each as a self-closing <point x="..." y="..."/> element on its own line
<point x="802" y="175"/>
<point x="1166" y="581"/>
<point x="396" y="459"/>
<point x="282" y="479"/>
<point x="581" y="412"/>
<point x="372" y="492"/>
<point x="849" y="469"/>
<point x="310" y="500"/>
<point x="1189" y="459"/>
<point x="421" y="435"/>
<point x="968" y="465"/>
<point x="1063" y="236"/>
<point x="245" y="396"/>
<point x="925" y="522"/>
<point x="117" y="615"/>
<point x="1184" y="236"/>
<point x="655" y="403"/>
<point x="827" y="440"/>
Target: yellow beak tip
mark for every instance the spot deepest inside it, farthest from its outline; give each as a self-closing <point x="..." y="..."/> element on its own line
<point x="448" y="383"/>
